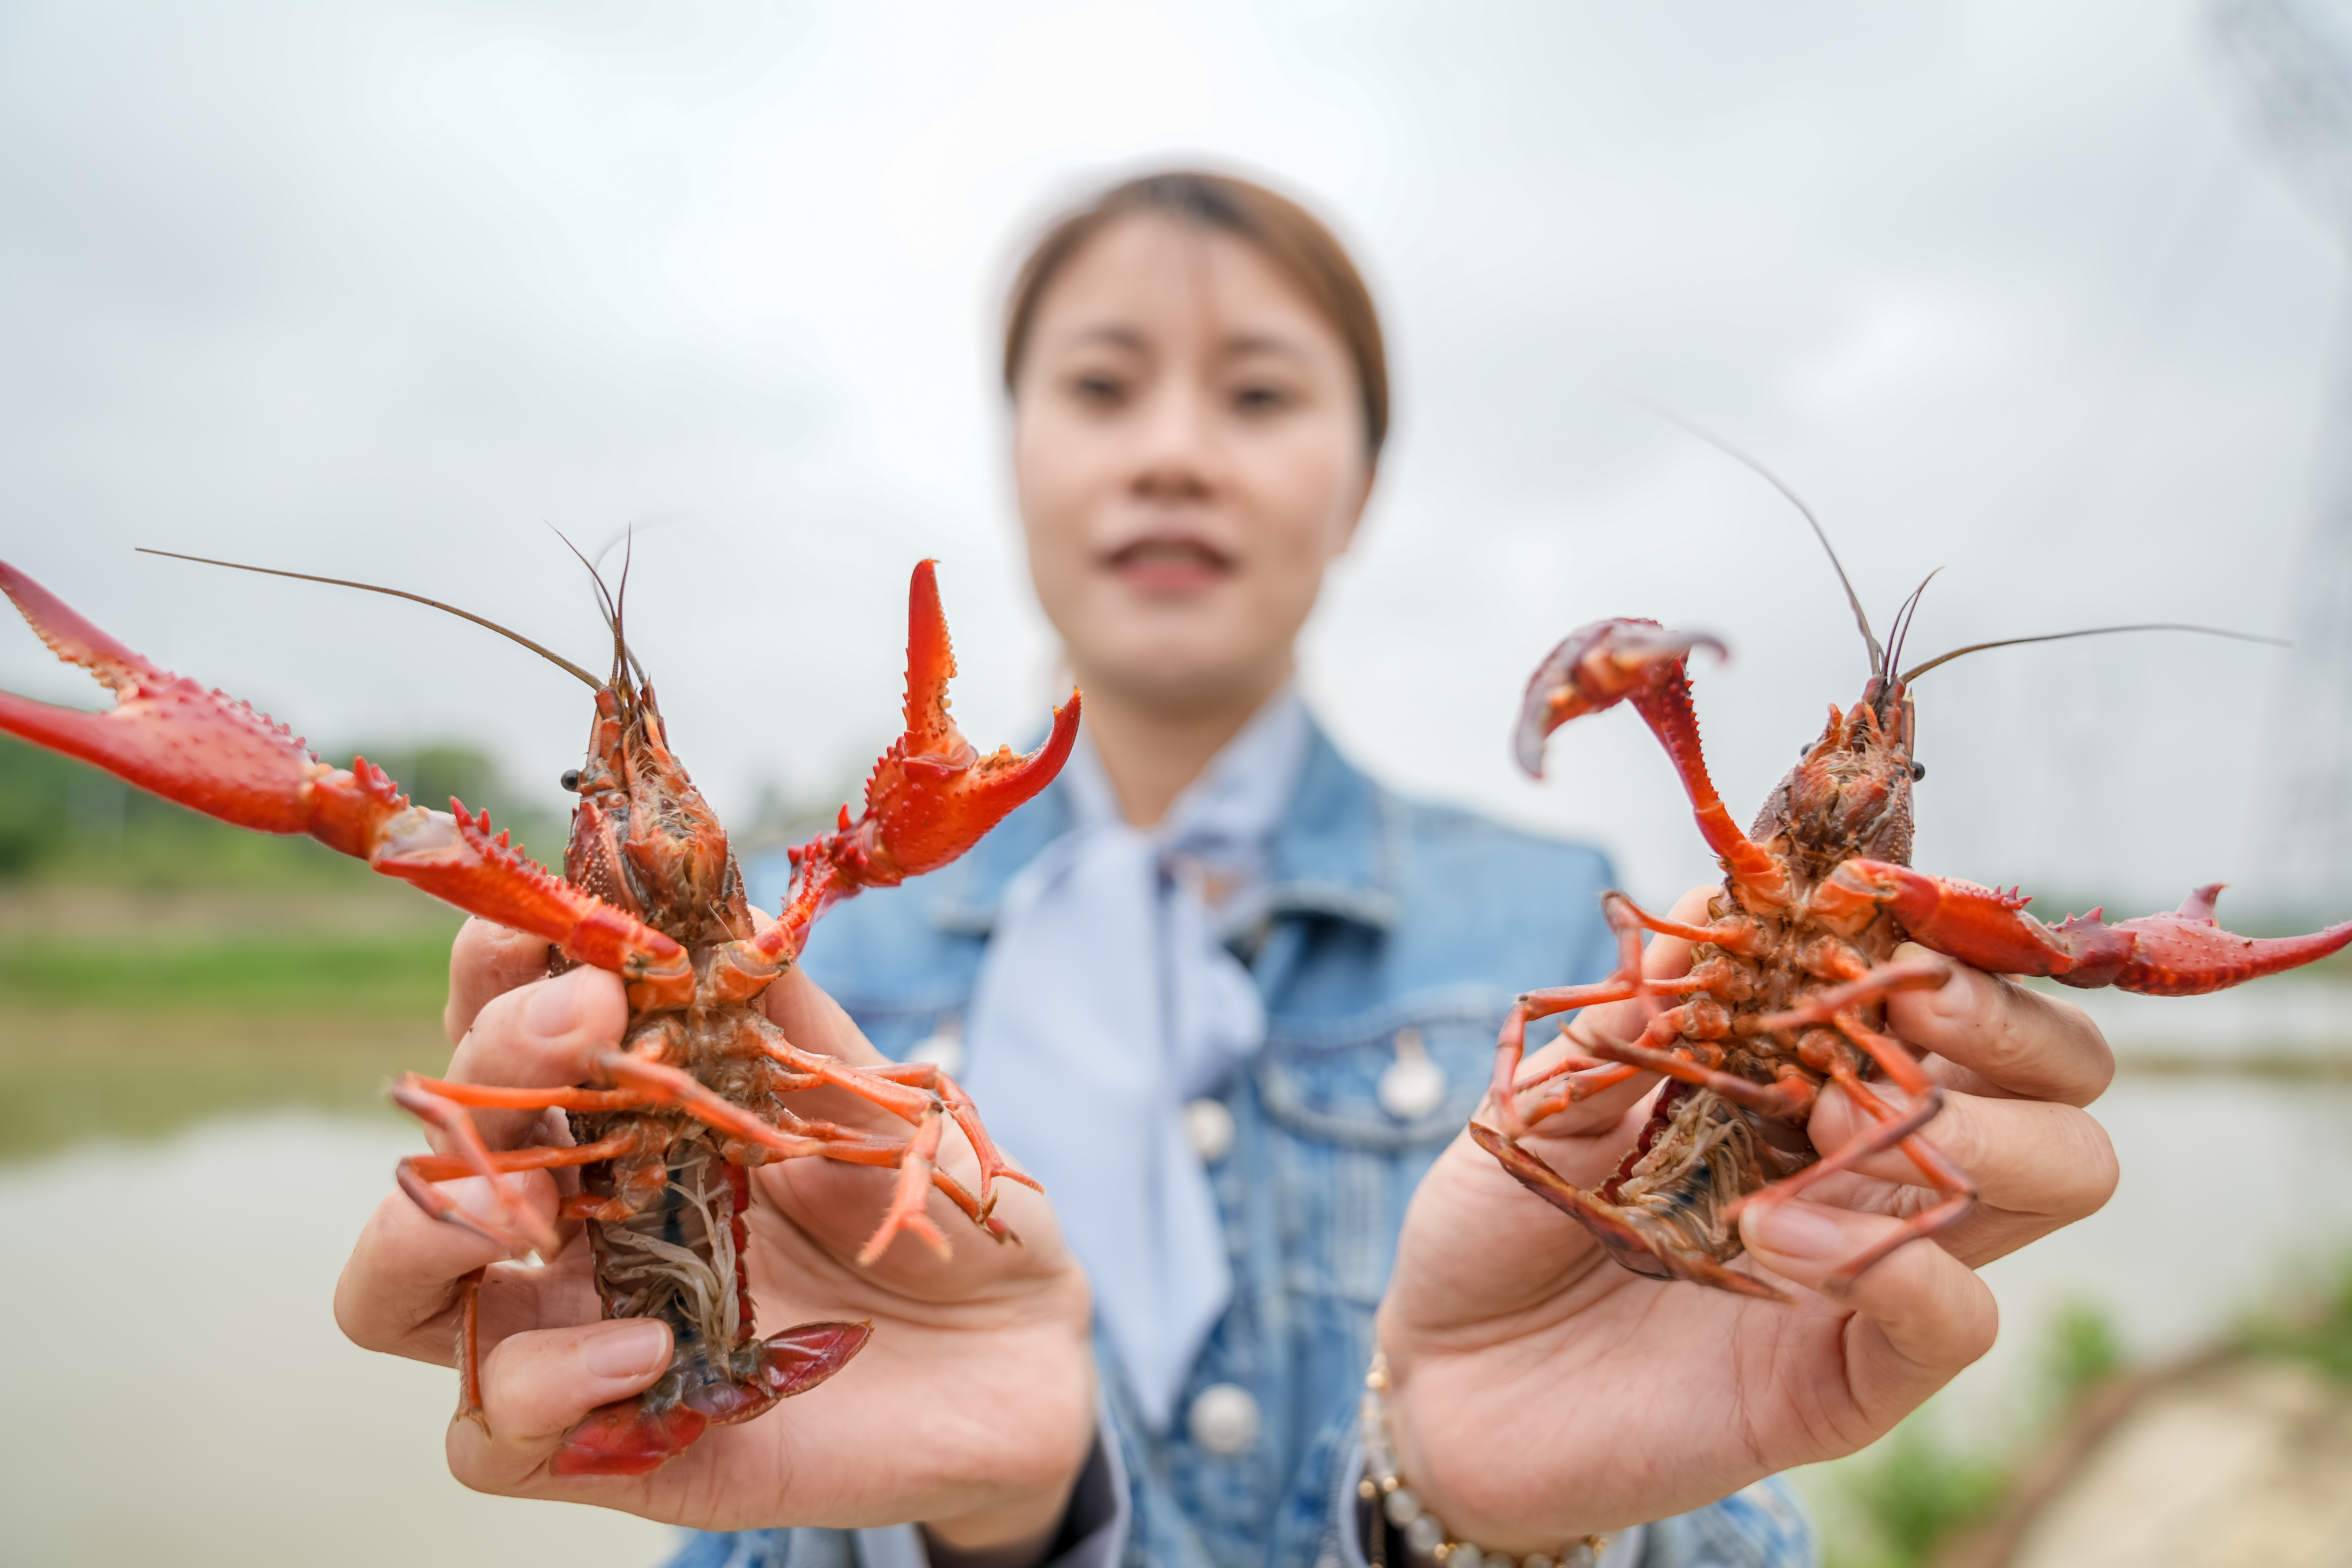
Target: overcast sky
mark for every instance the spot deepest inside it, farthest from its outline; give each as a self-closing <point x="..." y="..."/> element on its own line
<point x="379" y="291"/>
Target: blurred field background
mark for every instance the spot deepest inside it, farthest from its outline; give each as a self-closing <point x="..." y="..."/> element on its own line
<point x="158" y="968"/>
<point x="2049" y="297"/>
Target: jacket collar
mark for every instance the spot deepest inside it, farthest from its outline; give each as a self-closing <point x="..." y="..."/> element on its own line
<point x="1334" y="853"/>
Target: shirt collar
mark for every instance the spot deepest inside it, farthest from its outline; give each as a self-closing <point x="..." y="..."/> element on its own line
<point x="1235" y="803"/>
<point x="1333" y="851"/>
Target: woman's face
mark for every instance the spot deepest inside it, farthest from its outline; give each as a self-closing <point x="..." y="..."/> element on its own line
<point x="1189" y="450"/>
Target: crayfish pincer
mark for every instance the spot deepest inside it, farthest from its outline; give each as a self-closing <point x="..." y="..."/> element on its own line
<point x="666" y="1134"/>
<point x="1790" y="972"/>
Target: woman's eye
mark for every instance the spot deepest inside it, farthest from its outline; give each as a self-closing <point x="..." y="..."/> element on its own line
<point x="1263" y="398"/>
<point x="1098" y="391"/>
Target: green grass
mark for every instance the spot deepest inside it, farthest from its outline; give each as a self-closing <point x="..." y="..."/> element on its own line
<point x="1911" y="1494"/>
<point x="159" y="968"/>
<point x="2318" y="1331"/>
<point x="400" y="974"/>
<point x="62" y="821"/>
<point x="1904" y="1500"/>
<point x="67" y="1078"/>
<point x="136" y="1037"/>
<point x="2085" y="1350"/>
<point x="1899" y="1503"/>
<point x="119" y="1040"/>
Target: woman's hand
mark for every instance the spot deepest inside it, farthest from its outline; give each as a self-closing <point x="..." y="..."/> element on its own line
<point x="1542" y="1393"/>
<point x="972" y="1407"/>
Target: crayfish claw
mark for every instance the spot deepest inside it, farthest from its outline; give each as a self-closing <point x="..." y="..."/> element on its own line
<point x="1594" y="668"/>
<point x="932" y="795"/>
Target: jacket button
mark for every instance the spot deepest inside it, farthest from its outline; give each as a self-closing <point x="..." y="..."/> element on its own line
<point x="1223" y="1419"/>
<point x="1412" y="1086"/>
<point x="1210" y="1128"/>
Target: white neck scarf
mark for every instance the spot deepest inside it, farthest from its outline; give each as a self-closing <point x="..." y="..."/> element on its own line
<point x="1105" y="1001"/>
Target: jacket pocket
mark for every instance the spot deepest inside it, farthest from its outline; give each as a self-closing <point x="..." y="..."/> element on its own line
<point x="1404" y="1076"/>
<point x="1343" y="1157"/>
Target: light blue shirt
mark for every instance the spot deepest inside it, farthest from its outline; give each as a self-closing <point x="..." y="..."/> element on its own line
<point x="1105" y="1001"/>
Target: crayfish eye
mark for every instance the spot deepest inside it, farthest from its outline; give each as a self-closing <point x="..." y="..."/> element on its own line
<point x="1919" y="772"/>
<point x="570" y="780"/>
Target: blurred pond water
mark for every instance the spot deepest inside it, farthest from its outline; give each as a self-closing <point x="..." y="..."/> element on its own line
<point x="192" y="1129"/>
<point x="2232" y="1189"/>
<point x="196" y="1403"/>
<point x="199" y="1406"/>
<point x="2231" y="1117"/>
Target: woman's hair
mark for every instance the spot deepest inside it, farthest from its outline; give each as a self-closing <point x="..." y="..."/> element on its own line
<point x="1285" y="232"/>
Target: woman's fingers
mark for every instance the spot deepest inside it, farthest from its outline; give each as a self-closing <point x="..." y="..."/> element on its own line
<point x="536" y="1386"/>
<point x="2037" y="1166"/>
<point x="546" y="1035"/>
<point x="402" y="1273"/>
<point x="2017" y="1041"/>
<point x="2028" y="1156"/>
<point x="488" y="960"/>
<point x="1927" y="1314"/>
<point x="815" y="1021"/>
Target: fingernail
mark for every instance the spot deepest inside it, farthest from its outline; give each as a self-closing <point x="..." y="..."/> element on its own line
<point x="628" y="1349"/>
<point x="1793" y="1230"/>
<point x="554" y="1008"/>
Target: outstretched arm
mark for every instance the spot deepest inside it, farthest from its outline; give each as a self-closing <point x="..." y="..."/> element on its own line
<point x="1542" y="1393"/>
<point x="972" y="1408"/>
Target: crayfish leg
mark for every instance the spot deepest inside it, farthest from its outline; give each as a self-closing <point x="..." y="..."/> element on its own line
<point x="1896" y="1129"/>
<point x="1626" y="1239"/>
<point x="469" y="1350"/>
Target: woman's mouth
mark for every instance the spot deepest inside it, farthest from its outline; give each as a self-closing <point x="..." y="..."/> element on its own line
<point x="1169" y="564"/>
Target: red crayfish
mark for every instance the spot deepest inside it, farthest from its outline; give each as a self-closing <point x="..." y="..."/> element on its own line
<point x="667" y="1135"/>
<point x="1785" y="992"/>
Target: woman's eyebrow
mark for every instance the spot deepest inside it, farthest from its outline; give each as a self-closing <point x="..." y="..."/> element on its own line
<point x="1243" y="345"/>
<point x="1108" y="333"/>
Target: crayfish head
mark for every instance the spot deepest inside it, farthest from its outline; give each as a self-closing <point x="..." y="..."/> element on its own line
<point x="642" y="837"/>
<point x="1849" y="795"/>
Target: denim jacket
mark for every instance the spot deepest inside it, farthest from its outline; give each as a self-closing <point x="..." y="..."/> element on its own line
<point x="1393" y="927"/>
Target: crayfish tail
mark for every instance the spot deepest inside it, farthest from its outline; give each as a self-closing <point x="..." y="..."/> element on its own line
<point x="798" y="1359"/>
<point x="633" y="1437"/>
<point x="630" y="1437"/>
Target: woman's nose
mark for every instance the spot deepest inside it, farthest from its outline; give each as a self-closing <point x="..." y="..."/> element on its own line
<point x="1178" y="459"/>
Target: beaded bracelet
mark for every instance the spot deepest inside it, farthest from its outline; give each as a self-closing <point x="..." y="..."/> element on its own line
<point x="1392" y="1505"/>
